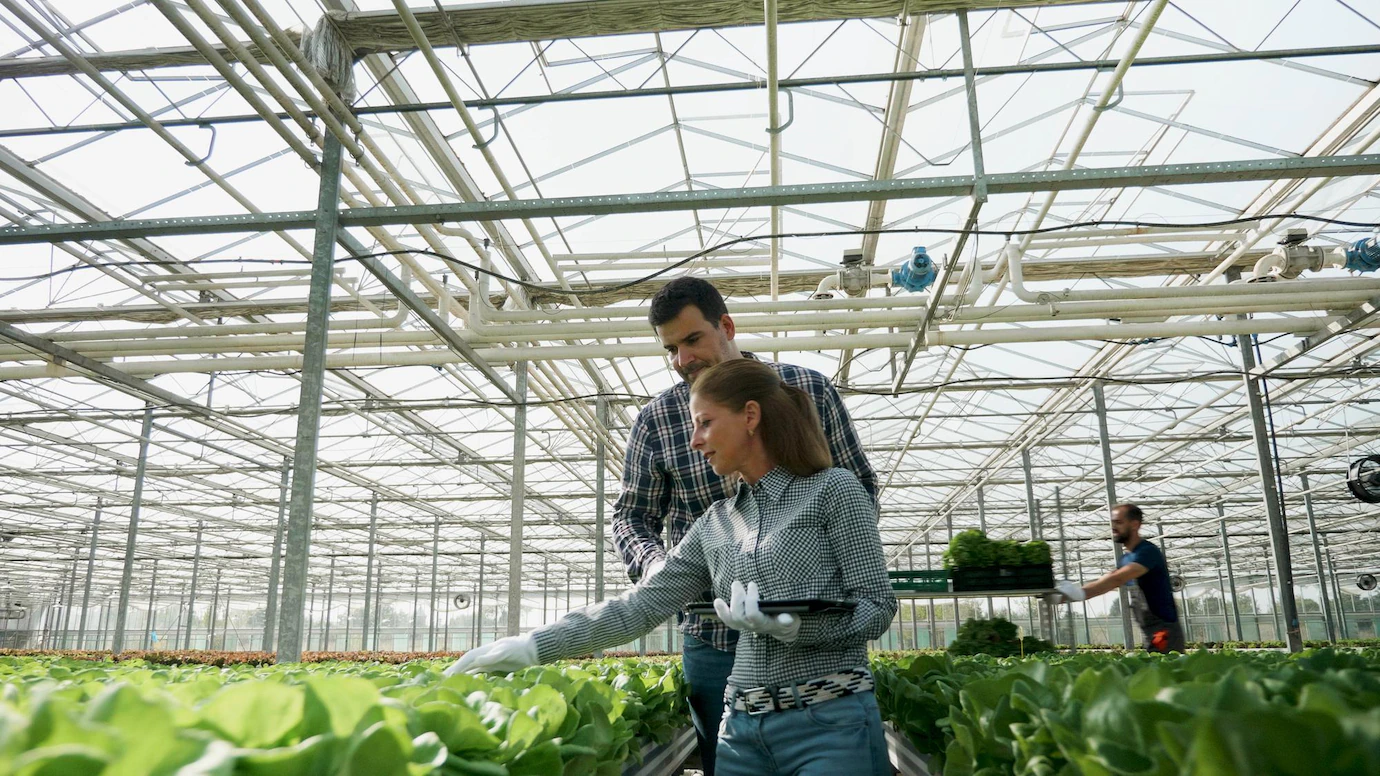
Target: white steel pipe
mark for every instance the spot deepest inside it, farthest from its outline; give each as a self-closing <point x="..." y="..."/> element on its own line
<point x="262" y="338"/>
<point x="774" y="129"/>
<point x="663" y="256"/>
<point x="1064" y="240"/>
<point x="1340" y="285"/>
<point x="379" y="358"/>
<point x="800" y="322"/>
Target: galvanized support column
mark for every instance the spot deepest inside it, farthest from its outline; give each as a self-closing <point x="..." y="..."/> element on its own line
<point x="191" y="595"/>
<point x="774" y="136"/>
<point x="90" y="567"/>
<point x="177" y="625"/>
<point x="929" y="602"/>
<point x="545" y="585"/>
<point x="378" y="605"/>
<point x="1087" y="626"/>
<point x="70" y="599"/>
<point x="1226" y="621"/>
<point x="1231" y="577"/>
<point x="349" y="603"/>
<point x="601" y="411"/>
<point x="1317" y="560"/>
<point x="982" y="525"/>
<point x="477" y="620"/>
<point x="1336" y="586"/>
<point x="101" y="620"/>
<point x="416" y="606"/>
<point x="127" y="575"/>
<point x="310" y="612"/>
<point x="369" y="572"/>
<point x="1109" y="479"/>
<point x="914" y="607"/>
<point x="1274" y="603"/>
<point x="1064" y="560"/>
<point x="330" y="602"/>
<point x="435" y="549"/>
<point x="519" y="497"/>
<point x="275" y="563"/>
<point x="949" y="522"/>
<point x="153" y="598"/>
<point x="1274" y="508"/>
<point x="1033" y="512"/>
<point x="298" y="553"/>
<point x="211" y="620"/>
<point x="1183" y="599"/>
<point x="225" y="622"/>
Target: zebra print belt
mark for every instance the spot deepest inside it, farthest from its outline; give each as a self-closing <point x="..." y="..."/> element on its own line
<point x="760" y="700"/>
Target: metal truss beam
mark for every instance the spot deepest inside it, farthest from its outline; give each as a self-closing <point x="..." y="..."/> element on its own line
<point x="761" y="196"/>
<point x="373" y="32"/>
<point x="412" y="105"/>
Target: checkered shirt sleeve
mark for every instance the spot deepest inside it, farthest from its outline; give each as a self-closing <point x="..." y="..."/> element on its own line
<point x="634" y="613"/>
<point x="638" y="514"/>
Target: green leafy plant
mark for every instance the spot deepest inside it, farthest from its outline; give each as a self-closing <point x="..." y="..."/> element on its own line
<point x="61" y="715"/>
<point x="970" y="548"/>
<point x="1036" y="552"/>
<point x="973" y="549"/>
<point x="1009" y="553"/>
<point x="998" y="637"/>
<point x="1137" y="713"/>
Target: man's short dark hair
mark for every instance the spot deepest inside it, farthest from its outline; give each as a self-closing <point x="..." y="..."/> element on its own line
<point x="1132" y="512"/>
<point x="686" y="292"/>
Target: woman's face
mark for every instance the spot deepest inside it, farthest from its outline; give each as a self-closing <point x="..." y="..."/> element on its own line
<point x="721" y="435"/>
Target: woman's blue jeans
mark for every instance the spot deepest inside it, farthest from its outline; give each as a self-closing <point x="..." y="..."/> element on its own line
<point x="840" y="737"/>
<point x="706" y="671"/>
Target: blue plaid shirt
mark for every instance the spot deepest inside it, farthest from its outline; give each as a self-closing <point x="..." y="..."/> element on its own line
<point x="667" y="485"/>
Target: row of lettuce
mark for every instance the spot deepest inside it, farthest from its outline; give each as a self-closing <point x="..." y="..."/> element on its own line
<point x="1203" y="713"/>
<point x="72" y="717"/>
<point x="1223" y="713"/>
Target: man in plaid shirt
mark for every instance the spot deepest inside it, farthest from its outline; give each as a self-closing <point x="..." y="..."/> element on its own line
<point x="667" y="485"/>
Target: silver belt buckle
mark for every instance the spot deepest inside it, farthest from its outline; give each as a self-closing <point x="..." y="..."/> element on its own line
<point x="775" y="705"/>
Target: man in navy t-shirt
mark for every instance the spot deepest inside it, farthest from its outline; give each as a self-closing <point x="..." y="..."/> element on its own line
<point x="1142" y="569"/>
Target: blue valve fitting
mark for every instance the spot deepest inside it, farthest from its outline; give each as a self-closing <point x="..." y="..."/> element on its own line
<point x="1363" y="255"/>
<point x="917" y="274"/>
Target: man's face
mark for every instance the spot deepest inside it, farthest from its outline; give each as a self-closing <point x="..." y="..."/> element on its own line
<point x="694" y="344"/>
<point x="1122" y="527"/>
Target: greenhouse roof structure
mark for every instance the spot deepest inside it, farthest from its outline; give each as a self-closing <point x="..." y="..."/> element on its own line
<point x="1148" y="221"/>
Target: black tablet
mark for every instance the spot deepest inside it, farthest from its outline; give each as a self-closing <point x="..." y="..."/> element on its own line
<point x="793" y="606"/>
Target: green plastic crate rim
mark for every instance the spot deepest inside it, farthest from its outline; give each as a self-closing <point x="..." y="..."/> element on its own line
<point x="930" y="586"/>
<point x="935" y="575"/>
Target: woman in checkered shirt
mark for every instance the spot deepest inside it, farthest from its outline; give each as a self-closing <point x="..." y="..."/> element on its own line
<point x="800" y="697"/>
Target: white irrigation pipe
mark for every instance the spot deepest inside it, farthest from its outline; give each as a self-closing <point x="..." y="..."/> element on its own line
<point x="1207" y="295"/>
<point x="270" y="337"/>
<point x="537" y="353"/>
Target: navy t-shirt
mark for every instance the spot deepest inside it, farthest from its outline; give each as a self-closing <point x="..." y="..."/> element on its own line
<point x="1154" y="584"/>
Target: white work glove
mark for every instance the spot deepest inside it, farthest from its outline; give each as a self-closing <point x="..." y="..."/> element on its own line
<point x="651" y="569"/>
<point x="503" y="656"/>
<point x="743" y="615"/>
<point x="1070" y="591"/>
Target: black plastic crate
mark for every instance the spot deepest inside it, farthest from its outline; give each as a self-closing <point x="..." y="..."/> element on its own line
<point x="1039" y="576"/>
